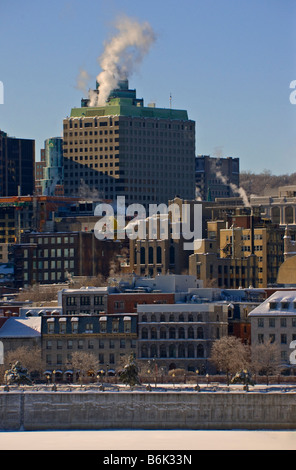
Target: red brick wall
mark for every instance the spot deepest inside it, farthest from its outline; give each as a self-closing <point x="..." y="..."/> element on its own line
<point x="130" y="301"/>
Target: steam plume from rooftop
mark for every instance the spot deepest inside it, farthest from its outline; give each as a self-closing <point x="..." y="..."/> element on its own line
<point x="122" y="54"/>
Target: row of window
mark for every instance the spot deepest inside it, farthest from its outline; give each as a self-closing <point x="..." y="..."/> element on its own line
<point x="283" y="305"/>
<point x="89" y="327"/>
<point x="171" y="317"/>
<point x="54" y="253"/>
<point x="272" y="338"/>
<point x="85" y="300"/>
<point x="272" y="322"/>
<point x="174" y="333"/>
<point x="53" y="240"/>
<point x="93" y="123"/>
<point x="58" y="359"/>
<point x="50" y="276"/>
<point x="172" y="351"/>
<point x="91" y="344"/>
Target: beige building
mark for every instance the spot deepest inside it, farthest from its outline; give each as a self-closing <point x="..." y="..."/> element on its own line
<point x="111" y="339"/>
<point x="265" y="241"/>
<point x="164" y="245"/>
<point x="215" y="271"/>
<point x="279" y="207"/>
<point x="146" y="154"/>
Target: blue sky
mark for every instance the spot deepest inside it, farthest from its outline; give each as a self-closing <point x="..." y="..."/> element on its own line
<point x="228" y="62"/>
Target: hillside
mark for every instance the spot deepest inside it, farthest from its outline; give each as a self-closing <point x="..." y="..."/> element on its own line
<point x="258" y="184"/>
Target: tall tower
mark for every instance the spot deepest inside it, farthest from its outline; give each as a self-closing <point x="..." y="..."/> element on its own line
<point x="17" y="166"/>
<point x="124" y="148"/>
<point x="53" y="172"/>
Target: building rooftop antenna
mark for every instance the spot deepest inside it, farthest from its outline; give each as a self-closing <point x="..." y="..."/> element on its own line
<point x="170" y="100"/>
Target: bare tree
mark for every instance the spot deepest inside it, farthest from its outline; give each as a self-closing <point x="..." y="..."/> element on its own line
<point x="39" y="294"/>
<point x="83" y="281"/>
<point x="30" y="358"/>
<point x="85" y="364"/>
<point x="266" y="359"/>
<point x="229" y="355"/>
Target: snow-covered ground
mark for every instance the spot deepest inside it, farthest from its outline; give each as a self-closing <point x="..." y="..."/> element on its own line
<point x="148" y="440"/>
<point x="108" y="387"/>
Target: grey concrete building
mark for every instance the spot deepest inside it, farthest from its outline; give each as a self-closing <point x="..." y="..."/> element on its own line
<point x="181" y="335"/>
<point x="216" y="177"/>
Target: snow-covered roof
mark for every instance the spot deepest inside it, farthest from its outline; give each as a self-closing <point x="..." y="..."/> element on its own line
<point x="21" y="328"/>
<point x="279" y="303"/>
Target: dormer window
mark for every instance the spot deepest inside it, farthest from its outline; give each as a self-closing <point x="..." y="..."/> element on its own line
<point x="284" y="305"/>
<point x="272" y="305"/>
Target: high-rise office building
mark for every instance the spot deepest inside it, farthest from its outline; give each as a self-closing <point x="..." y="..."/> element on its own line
<point x="17" y="166"/>
<point x="146" y="154"/>
<point x="53" y="171"/>
<point x="216" y="177"/>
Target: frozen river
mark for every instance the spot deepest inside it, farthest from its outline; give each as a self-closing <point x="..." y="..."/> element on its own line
<point x="148" y="440"/>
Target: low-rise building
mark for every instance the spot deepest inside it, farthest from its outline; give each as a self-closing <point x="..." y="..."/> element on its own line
<point x="16" y="332"/>
<point x="110" y="338"/>
<point x="275" y="320"/>
<point x="181" y="335"/>
<point x="87" y="300"/>
<point x="55" y="257"/>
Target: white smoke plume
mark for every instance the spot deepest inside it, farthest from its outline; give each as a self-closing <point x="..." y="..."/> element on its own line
<point x="82" y="80"/>
<point x="235" y="189"/>
<point x="122" y="54"/>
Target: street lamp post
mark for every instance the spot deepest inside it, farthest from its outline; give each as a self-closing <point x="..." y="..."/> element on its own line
<point x="197" y="387"/>
<point x="149" y="372"/>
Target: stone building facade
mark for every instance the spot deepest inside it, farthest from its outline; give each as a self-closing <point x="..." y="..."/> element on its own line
<point x="275" y="320"/>
<point x="180" y="335"/>
<point x="109" y="338"/>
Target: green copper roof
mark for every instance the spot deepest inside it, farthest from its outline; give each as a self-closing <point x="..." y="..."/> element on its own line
<point x="125" y="107"/>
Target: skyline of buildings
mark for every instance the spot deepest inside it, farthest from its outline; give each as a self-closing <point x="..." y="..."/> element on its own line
<point x="147" y="155"/>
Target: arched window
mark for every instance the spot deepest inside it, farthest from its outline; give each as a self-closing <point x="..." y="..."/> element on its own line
<point x="181" y="317"/>
<point x="172" y="350"/>
<point x="150" y="255"/>
<point x="190" y="333"/>
<point x="190" y="317"/>
<point x="200" y="350"/>
<point x="172" y="317"/>
<point x="181" y="350"/>
<point x="172" y="333"/>
<point x="153" y="350"/>
<point x="144" y="333"/>
<point x="153" y="318"/>
<point x="199" y="317"/>
<point x="289" y="215"/>
<point x="190" y="350"/>
<point x="158" y="255"/>
<point x="153" y="333"/>
<point x="163" y="333"/>
<point x="181" y="333"/>
<point x="275" y="215"/>
<point x="144" y="318"/>
<point x="162" y="351"/>
<point x="162" y="318"/>
<point x="142" y="255"/>
<point x="200" y="334"/>
<point x="144" y="351"/>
